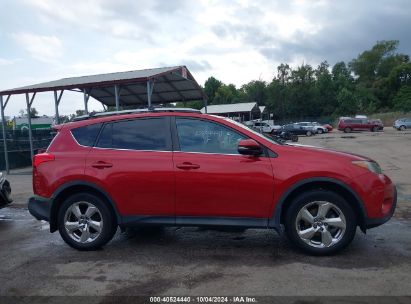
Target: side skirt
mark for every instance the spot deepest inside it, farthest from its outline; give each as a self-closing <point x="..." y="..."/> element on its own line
<point x="135" y="221"/>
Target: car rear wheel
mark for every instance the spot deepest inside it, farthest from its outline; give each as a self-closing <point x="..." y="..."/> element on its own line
<point x="402" y="128"/>
<point x="320" y="222"/>
<point x="85" y="222"/>
<point x="309" y="133"/>
<point x="347" y="130"/>
<point x="294" y="137"/>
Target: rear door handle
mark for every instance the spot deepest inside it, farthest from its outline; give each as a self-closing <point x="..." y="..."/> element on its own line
<point x="101" y="165"/>
<point x="187" y="166"/>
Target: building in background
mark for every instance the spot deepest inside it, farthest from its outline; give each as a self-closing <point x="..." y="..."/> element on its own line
<point x="37" y="123"/>
<point x="237" y="111"/>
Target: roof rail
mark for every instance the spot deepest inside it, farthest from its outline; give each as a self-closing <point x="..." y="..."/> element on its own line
<point x="133" y="111"/>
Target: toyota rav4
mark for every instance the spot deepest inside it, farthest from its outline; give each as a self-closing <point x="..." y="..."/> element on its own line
<point x="183" y="168"/>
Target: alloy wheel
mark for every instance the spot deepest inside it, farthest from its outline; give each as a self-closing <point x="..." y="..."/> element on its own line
<point x="320" y="224"/>
<point x="83" y="222"/>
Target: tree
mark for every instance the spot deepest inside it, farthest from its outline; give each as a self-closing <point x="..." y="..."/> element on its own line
<point x="33" y="112"/>
<point x="324" y="94"/>
<point x="255" y="91"/>
<point x="210" y="88"/>
<point x="283" y="76"/>
<point x="369" y="63"/>
<point x="347" y="104"/>
<point x="225" y="94"/>
<point x="402" y="101"/>
<point x="341" y="76"/>
<point x="300" y="93"/>
<point x="80" y="112"/>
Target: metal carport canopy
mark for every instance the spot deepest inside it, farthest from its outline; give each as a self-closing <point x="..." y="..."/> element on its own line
<point x="141" y="88"/>
<point x="170" y="84"/>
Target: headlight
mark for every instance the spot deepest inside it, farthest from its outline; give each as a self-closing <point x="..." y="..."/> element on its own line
<point x="370" y="165"/>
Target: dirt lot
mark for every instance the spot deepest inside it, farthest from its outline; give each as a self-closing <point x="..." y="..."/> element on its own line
<point x="193" y="261"/>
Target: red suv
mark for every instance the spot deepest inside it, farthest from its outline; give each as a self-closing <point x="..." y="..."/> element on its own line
<point x="184" y="168"/>
<point x="360" y="124"/>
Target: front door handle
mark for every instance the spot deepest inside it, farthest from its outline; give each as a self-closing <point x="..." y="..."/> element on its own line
<point x="101" y="165"/>
<point x="187" y="166"/>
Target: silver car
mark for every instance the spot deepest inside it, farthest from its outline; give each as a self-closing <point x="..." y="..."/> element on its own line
<point x="402" y="124"/>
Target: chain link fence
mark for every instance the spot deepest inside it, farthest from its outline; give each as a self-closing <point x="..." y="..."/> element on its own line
<point x="18" y="146"/>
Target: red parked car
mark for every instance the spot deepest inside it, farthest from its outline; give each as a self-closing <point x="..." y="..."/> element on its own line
<point x="184" y="168"/>
<point x="329" y="127"/>
<point x="360" y="124"/>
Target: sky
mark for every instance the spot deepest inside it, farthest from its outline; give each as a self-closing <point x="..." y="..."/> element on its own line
<point x="235" y="41"/>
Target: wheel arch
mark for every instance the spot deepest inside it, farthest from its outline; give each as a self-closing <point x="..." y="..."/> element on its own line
<point x="325" y="183"/>
<point x="71" y="188"/>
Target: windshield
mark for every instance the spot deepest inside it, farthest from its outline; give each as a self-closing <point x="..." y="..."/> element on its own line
<point x="266" y="137"/>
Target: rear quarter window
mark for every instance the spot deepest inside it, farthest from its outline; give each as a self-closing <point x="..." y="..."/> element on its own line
<point x="86" y="136"/>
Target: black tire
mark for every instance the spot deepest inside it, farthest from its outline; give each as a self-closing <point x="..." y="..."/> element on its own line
<point x="105" y="214"/>
<point x="347" y="130"/>
<point x="294" y="138"/>
<point x="402" y="128"/>
<point x="319" y="196"/>
<point x="374" y="129"/>
<point x="309" y="133"/>
<point x="320" y="131"/>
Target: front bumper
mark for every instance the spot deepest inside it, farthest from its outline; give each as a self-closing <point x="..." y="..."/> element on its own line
<point x="39" y="207"/>
<point x="5" y="193"/>
<point x="374" y="222"/>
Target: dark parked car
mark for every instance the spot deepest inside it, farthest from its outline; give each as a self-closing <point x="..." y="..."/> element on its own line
<point x="360" y="124"/>
<point x="182" y="168"/>
<point x="297" y="129"/>
<point x="5" y="192"/>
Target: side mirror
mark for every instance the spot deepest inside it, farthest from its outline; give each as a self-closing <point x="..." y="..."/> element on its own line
<point x="249" y="147"/>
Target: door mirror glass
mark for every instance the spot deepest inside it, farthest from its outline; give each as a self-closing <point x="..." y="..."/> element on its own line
<point x="249" y="147"/>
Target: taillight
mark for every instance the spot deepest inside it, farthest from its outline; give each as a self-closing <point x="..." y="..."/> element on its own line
<point x="42" y="158"/>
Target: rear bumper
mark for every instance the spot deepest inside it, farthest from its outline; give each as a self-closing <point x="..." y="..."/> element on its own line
<point x="39" y="207"/>
<point x="375" y="222"/>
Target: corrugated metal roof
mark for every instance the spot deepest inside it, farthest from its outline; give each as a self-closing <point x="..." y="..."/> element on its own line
<point x="171" y="84"/>
<point x="230" y="108"/>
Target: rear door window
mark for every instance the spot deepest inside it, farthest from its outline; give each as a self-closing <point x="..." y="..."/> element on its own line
<point x="150" y="134"/>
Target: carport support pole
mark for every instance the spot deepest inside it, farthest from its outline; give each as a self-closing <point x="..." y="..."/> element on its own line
<point x="117" y="98"/>
<point x="29" y="121"/>
<point x="150" y="86"/>
<point x="56" y="107"/>
<point x="3" y="122"/>
<point x="85" y="102"/>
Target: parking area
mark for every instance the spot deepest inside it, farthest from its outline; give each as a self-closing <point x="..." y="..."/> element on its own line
<point x="212" y="262"/>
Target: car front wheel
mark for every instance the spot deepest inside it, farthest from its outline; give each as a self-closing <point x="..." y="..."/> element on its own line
<point x="402" y="128"/>
<point x="320" y="222"/>
<point x="319" y="131"/>
<point x="347" y="130"/>
<point x="309" y="133"/>
<point x="85" y="222"/>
